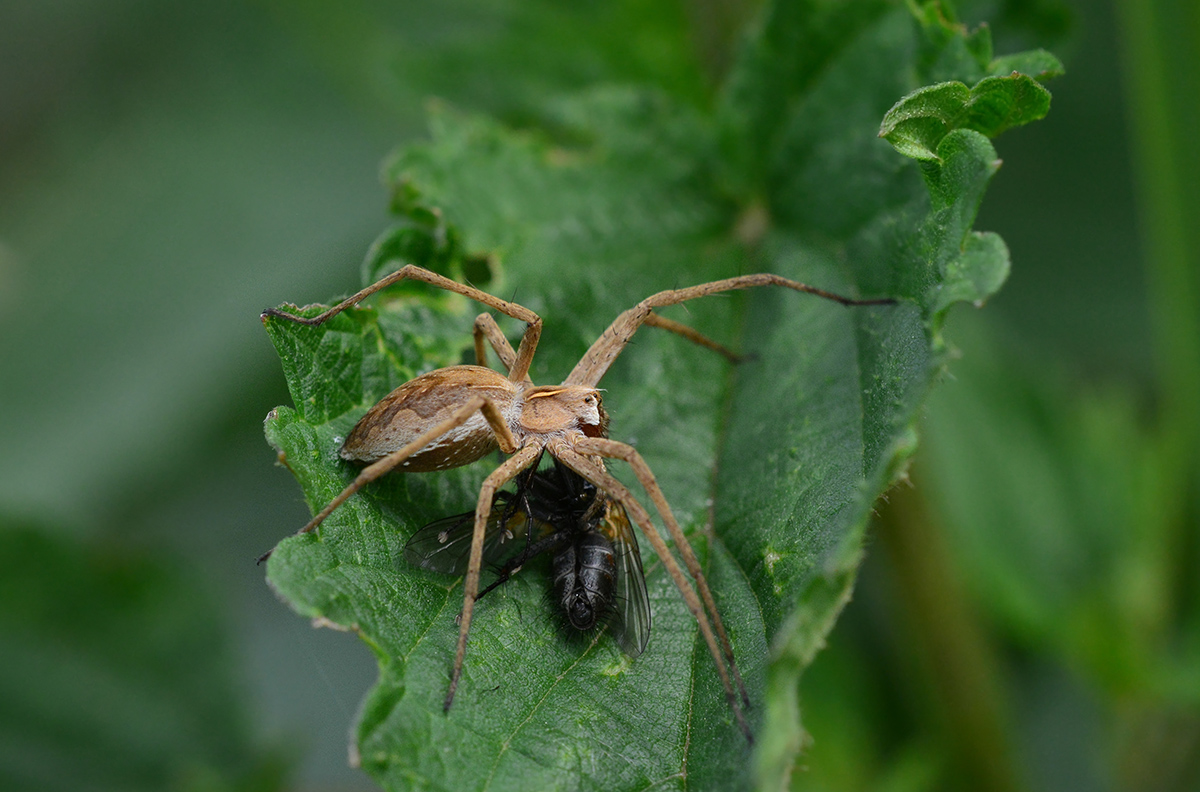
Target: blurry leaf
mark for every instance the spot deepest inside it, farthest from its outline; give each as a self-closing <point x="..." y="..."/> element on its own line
<point x="625" y="194"/>
<point x="1045" y="22"/>
<point x="1038" y="64"/>
<point x="498" y="56"/>
<point x="234" y="172"/>
<point x="778" y="67"/>
<point x="845" y="695"/>
<point x="116" y="676"/>
<point x="507" y="56"/>
<point x="1069" y="563"/>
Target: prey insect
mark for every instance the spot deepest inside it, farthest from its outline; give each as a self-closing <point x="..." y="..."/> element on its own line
<point x="456" y="415"/>
<point x="596" y="567"/>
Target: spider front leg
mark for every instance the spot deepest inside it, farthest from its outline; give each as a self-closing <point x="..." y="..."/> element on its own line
<point x="680" y="329"/>
<point x="594" y="472"/>
<point x="533" y="330"/>
<point x="487" y="330"/>
<point x="592" y="367"/>
<point x="613" y="449"/>
<point x="487" y="493"/>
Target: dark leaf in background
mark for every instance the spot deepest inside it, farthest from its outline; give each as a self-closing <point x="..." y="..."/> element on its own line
<point x="116" y="675"/>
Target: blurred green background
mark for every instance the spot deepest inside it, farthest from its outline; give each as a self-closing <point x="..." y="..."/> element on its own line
<point x="1027" y="616"/>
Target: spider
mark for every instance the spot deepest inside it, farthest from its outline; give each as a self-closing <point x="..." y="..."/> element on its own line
<point x="456" y="415"/>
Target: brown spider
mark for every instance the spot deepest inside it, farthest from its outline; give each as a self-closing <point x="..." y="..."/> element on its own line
<point x="456" y="415"/>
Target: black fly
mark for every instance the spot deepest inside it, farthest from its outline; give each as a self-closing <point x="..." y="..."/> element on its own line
<point x="597" y="567"/>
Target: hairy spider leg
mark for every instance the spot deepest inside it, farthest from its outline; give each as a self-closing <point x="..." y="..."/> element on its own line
<point x="592" y="367"/>
<point x="533" y="329"/>
<point x="522" y="459"/>
<point x="613" y="449"/>
<point x="594" y="471"/>
<point x="487" y="330"/>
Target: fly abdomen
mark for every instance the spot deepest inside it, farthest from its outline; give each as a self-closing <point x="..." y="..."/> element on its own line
<point x="585" y="574"/>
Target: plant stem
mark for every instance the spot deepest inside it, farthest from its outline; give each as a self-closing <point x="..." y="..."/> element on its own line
<point x="945" y="636"/>
<point x="1161" y="48"/>
<point x="1161" y="74"/>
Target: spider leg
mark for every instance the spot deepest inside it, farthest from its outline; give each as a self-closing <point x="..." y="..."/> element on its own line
<point x="487" y="329"/>
<point x="533" y="323"/>
<point x="614" y="449"/>
<point x="495" y="480"/>
<point x="680" y="329"/>
<point x="595" y="473"/>
<point x="495" y="419"/>
<point x="594" y="364"/>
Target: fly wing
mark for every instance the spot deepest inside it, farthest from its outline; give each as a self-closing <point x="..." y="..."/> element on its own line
<point x="631" y="627"/>
<point x="445" y="545"/>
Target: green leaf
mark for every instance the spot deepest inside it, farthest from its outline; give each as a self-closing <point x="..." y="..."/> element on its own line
<point x="772" y="466"/>
<point x="779" y="67"/>
<point x="530" y="49"/>
<point x="1038" y="64"/>
<point x="116" y="675"/>
<point x="919" y="122"/>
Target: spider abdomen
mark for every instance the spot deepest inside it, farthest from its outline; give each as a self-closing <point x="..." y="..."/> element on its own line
<point x="408" y="411"/>
<point x="585" y="574"/>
